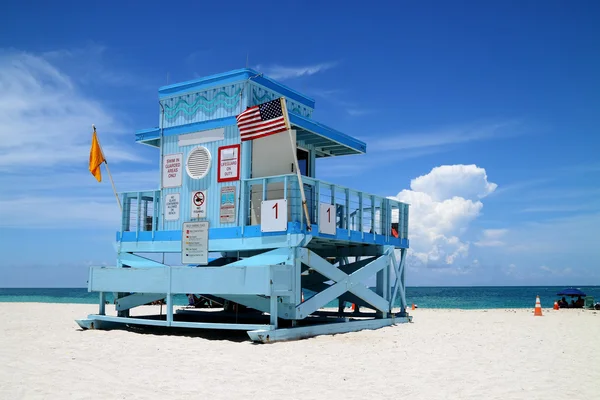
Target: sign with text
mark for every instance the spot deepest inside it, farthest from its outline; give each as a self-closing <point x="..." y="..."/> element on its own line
<point x="273" y="215"/>
<point x="229" y="163"/>
<point x="227" y="209"/>
<point x="198" y="205"/>
<point x="327" y="219"/>
<point x="172" y="207"/>
<point x="194" y="243"/>
<point x="171" y="170"/>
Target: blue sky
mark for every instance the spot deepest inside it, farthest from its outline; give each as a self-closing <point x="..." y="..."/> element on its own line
<point x="483" y="115"/>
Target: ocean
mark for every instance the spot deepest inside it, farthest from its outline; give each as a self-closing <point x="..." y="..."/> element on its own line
<point x="478" y="297"/>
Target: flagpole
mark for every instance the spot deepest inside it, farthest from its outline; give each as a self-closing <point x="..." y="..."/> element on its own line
<point x="108" y="170"/>
<point x="289" y="129"/>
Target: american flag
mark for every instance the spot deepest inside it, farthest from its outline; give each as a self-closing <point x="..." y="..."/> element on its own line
<point x="263" y="120"/>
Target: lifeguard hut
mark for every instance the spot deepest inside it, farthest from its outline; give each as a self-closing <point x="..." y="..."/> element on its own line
<point x="254" y="232"/>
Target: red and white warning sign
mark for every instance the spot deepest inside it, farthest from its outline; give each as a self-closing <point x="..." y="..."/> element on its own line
<point x="198" y="205"/>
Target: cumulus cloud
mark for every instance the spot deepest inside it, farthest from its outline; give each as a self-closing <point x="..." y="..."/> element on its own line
<point x="443" y="203"/>
<point x="446" y="181"/>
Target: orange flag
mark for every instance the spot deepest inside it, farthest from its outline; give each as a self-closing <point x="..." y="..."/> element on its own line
<point x="96" y="158"/>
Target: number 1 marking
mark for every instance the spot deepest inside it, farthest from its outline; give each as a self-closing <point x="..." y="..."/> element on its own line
<point x="329" y="215"/>
<point x="276" y="210"/>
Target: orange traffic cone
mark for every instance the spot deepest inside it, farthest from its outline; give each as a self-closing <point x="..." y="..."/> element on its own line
<point x="413" y="306"/>
<point x="353" y="307"/>
<point x="556" y="305"/>
<point x="538" y="307"/>
<point x="302" y="297"/>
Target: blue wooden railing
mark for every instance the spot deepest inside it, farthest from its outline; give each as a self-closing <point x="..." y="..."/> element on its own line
<point x="140" y="211"/>
<point x="356" y="210"/>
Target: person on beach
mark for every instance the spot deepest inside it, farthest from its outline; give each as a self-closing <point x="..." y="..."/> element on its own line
<point x="562" y="303"/>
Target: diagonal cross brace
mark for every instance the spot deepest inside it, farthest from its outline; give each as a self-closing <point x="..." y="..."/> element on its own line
<point x="272" y="257"/>
<point x="398" y="287"/>
<point x="344" y="283"/>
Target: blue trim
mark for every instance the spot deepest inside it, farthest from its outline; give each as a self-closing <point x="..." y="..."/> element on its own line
<point x="327" y="132"/>
<point x="336" y="137"/>
<point x="254" y="231"/>
<point x="151" y="134"/>
<point x="231" y="77"/>
<point x="284" y="90"/>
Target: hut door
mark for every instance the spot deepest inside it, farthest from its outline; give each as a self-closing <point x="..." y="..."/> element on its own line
<point x="304" y="166"/>
<point x="271" y="156"/>
<point x="303" y="161"/>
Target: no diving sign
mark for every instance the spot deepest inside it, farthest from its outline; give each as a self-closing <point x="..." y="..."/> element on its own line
<point x="198" y="205"/>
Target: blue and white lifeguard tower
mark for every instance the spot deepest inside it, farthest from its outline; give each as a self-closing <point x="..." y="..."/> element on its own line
<point x="233" y="211"/>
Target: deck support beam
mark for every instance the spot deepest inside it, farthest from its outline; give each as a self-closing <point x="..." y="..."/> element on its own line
<point x="137" y="299"/>
<point x="278" y="335"/>
<point x="102" y="304"/>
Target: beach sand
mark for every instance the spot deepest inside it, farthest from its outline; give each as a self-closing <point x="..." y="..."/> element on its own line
<point x="443" y="354"/>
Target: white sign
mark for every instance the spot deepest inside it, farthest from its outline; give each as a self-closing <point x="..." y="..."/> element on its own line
<point x="273" y="215"/>
<point x="194" y="243"/>
<point x="210" y="135"/>
<point x="198" y="205"/>
<point x="229" y="163"/>
<point x="327" y="219"/>
<point x="227" y="210"/>
<point x="172" y="167"/>
<point x="172" y="207"/>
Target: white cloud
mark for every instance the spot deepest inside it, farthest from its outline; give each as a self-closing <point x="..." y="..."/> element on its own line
<point x="60" y="212"/>
<point x="45" y="139"/>
<point x="94" y="64"/>
<point x="557" y="271"/>
<point x="283" y="72"/>
<point x="441" y="213"/>
<point x="446" y="181"/>
<point x="510" y="270"/>
<point x="492" y="238"/>
<point x="571" y="237"/>
<point x="447" y="136"/>
<point x="563" y="208"/>
<point x="46" y="121"/>
<point x="358" y="112"/>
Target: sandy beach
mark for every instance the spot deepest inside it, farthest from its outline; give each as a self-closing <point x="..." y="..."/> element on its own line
<point x="443" y="354"/>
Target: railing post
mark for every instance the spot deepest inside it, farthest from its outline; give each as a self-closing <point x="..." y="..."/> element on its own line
<point x="333" y="202"/>
<point x="243" y="206"/>
<point x="388" y="225"/>
<point x="406" y="218"/>
<point x="139" y="209"/>
<point x="373" y="216"/>
<point x="145" y="214"/>
<point x="154" y="213"/>
<point x="360" y="215"/>
<point x="124" y="221"/>
<point x="318" y="202"/>
<point x="348" y="211"/>
<point x="264" y="191"/>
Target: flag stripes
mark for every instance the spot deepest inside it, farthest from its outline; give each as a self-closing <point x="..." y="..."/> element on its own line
<point x="262" y="120"/>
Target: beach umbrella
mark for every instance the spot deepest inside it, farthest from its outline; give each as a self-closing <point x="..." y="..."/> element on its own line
<point x="571" y="292"/>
